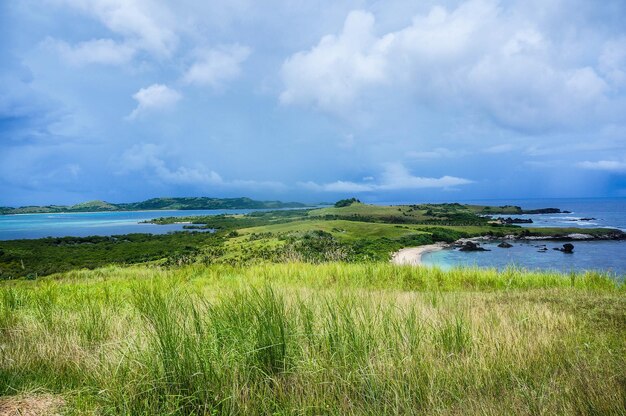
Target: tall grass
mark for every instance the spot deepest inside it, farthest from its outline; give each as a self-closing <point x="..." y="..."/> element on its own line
<point x="302" y="339"/>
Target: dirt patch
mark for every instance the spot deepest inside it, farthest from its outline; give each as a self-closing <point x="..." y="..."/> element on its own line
<point x="31" y="405"/>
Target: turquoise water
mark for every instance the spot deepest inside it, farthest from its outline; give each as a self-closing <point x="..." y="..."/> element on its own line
<point x="607" y="256"/>
<point x="94" y="223"/>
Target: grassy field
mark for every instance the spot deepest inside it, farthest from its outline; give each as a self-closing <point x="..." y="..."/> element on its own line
<point x="304" y="339"/>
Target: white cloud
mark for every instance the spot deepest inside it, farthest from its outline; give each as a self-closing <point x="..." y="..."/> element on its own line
<point x="216" y="66"/>
<point x="146" y="24"/>
<point x="147" y="158"/>
<point x="332" y="73"/>
<point x="483" y="56"/>
<point x="604" y="165"/>
<point x="395" y="177"/>
<point x="97" y="51"/>
<point x="154" y="97"/>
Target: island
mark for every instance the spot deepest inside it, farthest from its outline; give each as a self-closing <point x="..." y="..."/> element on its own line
<point x="183" y="203"/>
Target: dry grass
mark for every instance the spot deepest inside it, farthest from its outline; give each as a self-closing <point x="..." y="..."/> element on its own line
<point x="31" y="405"/>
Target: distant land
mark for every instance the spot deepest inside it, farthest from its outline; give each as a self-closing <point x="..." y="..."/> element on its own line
<point x="186" y="203"/>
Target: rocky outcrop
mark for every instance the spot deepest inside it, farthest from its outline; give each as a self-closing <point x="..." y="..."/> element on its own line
<point x="472" y="246"/>
<point x="510" y="220"/>
<point x="504" y="244"/>
<point x="567" y="248"/>
<point x="544" y="211"/>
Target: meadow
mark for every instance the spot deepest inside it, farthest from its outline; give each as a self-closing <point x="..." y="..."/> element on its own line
<point x="310" y="339"/>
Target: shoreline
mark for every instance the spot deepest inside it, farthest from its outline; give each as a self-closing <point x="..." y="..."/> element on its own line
<point x="412" y="256"/>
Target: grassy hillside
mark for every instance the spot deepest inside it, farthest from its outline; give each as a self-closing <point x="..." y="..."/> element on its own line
<point x="296" y="338"/>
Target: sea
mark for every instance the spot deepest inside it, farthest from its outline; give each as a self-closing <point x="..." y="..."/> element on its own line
<point x="83" y="224"/>
<point x="604" y="256"/>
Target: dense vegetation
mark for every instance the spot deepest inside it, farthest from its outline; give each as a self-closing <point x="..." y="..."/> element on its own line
<point x="156" y="204"/>
<point x="346" y="202"/>
<point x="33" y="258"/>
<point x="313" y="339"/>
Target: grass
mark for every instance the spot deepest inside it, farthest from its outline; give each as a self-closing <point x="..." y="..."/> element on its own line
<point x="333" y="338"/>
<point x="349" y="230"/>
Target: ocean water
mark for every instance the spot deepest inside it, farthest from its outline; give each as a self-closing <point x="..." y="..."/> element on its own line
<point x="84" y="224"/>
<point x="585" y="213"/>
<point x="605" y="256"/>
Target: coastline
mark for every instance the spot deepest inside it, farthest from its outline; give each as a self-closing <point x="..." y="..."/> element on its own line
<point x="412" y="256"/>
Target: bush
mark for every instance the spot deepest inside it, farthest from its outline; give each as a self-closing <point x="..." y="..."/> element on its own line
<point x="346" y="202"/>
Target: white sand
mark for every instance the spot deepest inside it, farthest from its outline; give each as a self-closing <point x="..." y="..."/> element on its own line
<point x="413" y="255"/>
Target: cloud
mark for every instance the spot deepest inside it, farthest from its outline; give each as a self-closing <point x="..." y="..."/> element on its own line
<point x="500" y="148"/>
<point x="216" y="66"/>
<point x="483" y="57"/>
<point x="154" y="97"/>
<point x="97" y="51"/>
<point x="604" y="165"/>
<point x="437" y="153"/>
<point x="26" y="114"/>
<point x="613" y="61"/>
<point x="395" y="177"/>
<point x="338" y="186"/>
<point x="145" y="24"/>
<point x="147" y="158"/>
<point x="332" y="73"/>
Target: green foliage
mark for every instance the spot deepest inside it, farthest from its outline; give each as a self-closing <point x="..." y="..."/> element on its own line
<point x="346" y="202"/>
<point x="20" y="258"/>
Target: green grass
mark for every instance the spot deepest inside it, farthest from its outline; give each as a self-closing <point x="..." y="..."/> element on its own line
<point x="333" y="338"/>
<point x="341" y="229"/>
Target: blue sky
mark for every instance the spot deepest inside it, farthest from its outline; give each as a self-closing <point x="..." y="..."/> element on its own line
<point x="124" y="100"/>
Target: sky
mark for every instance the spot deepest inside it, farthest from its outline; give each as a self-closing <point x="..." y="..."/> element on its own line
<point x="124" y="100"/>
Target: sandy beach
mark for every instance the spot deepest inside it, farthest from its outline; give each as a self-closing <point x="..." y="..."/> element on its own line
<point x="413" y="255"/>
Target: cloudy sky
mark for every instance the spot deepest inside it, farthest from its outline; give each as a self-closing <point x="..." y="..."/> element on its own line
<point x="124" y="100"/>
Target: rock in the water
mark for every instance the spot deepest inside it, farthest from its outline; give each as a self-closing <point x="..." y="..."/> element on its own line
<point x="504" y="244"/>
<point x="510" y="220"/>
<point x="567" y="248"/>
<point x="472" y="246"/>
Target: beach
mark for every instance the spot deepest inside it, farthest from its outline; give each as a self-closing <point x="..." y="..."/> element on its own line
<point x="413" y="255"/>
